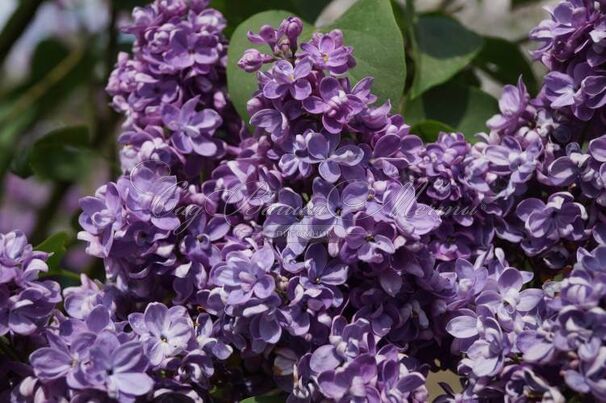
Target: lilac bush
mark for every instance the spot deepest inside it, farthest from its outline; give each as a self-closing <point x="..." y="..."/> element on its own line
<point x="322" y="251"/>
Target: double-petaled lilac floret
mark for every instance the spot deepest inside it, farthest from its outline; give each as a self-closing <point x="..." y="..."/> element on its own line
<point x="245" y="288"/>
<point x="441" y="169"/>
<point x="328" y="52"/>
<point x="26" y="303"/>
<point x="545" y="224"/>
<point x="243" y="278"/>
<point x="584" y="169"/>
<point x="335" y="104"/>
<point x="165" y="332"/>
<point x="192" y="130"/>
<point x="514" y="107"/>
<point x="285" y="78"/>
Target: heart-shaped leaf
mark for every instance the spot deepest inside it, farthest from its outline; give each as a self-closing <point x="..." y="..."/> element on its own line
<point x="370" y="27"/>
<point x="429" y="130"/>
<point x="465" y="109"/>
<point x="505" y="62"/>
<point x="445" y="47"/>
<point x="236" y="11"/>
<point x="62" y="154"/>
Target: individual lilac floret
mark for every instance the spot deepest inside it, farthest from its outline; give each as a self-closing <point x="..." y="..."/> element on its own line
<point x="243" y="278"/>
<point x="327" y="51"/>
<point x="560" y="219"/>
<point x="164" y="331"/>
<point x="513" y="105"/>
<point x="118" y="368"/>
<point x="336" y="106"/>
<point x="192" y="130"/>
<point x="286" y="78"/>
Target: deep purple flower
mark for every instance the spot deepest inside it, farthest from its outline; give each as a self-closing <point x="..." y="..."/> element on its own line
<point x="164" y="331"/>
<point x="333" y="209"/>
<point x="243" y="277"/>
<point x="101" y="216"/>
<point x="289" y="219"/>
<point x="412" y="218"/>
<point x="486" y="355"/>
<point x="118" y="368"/>
<point x="288" y="79"/>
<point x="192" y="130"/>
<point x="370" y="241"/>
<point x="188" y="48"/>
<point x="513" y="105"/>
<point x="560" y="218"/>
<point x="327" y="51"/>
<point x="509" y="299"/>
<point x="336" y="106"/>
<point x="332" y="158"/>
<point x="296" y="159"/>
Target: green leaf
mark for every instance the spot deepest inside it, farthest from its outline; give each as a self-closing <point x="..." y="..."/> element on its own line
<point x="242" y="85"/>
<point x="8" y="136"/>
<point x="38" y="98"/>
<point x="505" y="62"/>
<point x="47" y="55"/>
<point x="465" y="109"/>
<point x="62" y="154"/>
<point x="429" y="130"/>
<point x="370" y="27"/>
<point x="55" y="244"/>
<point x="445" y="47"/>
<point x="309" y="10"/>
<point x="237" y="11"/>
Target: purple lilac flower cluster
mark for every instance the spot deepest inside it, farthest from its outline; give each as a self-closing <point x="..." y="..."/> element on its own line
<point x="26" y="302"/>
<point x="179" y="122"/>
<point x="93" y="355"/>
<point x="332" y="250"/>
<point x="572" y="48"/>
<point x="538" y="171"/>
<point x="309" y="214"/>
<point x="172" y="90"/>
<point x="526" y="343"/>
